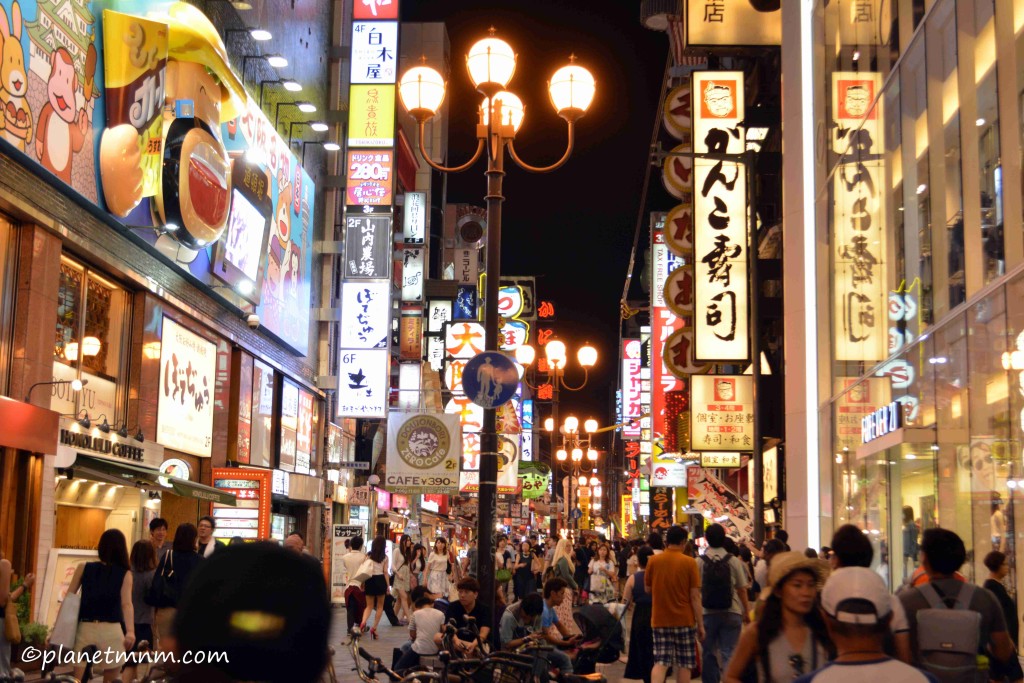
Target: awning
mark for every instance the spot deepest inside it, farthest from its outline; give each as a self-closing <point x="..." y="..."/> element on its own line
<point x="140" y="476"/>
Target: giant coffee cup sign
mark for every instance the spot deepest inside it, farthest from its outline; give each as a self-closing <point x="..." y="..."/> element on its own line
<point x="74" y="439"/>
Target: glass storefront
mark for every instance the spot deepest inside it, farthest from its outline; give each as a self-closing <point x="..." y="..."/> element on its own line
<point x="924" y="273"/>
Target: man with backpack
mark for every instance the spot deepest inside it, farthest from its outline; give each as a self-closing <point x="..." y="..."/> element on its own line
<point x="724" y="599"/>
<point x="951" y="621"/>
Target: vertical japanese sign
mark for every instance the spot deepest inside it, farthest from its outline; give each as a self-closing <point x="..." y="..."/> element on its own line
<point x="371" y="116"/>
<point x="661" y="508"/>
<point x="733" y="22"/>
<point x="664" y="323"/>
<point x="374" y="52"/>
<point x="721" y="287"/>
<point x="367" y="246"/>
<point x="188" y="365"/>
<point x="414" y="227"/>
<point x="631" y="408"/>
<point x="859" y="301"/>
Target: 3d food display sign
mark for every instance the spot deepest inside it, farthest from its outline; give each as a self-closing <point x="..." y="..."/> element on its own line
<point x="139" y="112"/>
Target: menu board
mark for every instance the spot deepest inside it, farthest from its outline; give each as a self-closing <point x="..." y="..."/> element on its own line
<point x="249" y="519"/>
<point x="289" y="424"/>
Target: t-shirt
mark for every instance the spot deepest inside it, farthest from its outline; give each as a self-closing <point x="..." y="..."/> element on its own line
<point x="352" y="560"/>
<point x="669" y="578"/>
<point x="888" y="670"/>
<point x="548" y="617"/>
<point x="983" y="602"/>
<point x="456" y="611"/>
<point x="739" y="577"/>
<point x="511" y="628"/>
<point x="427" y="623"/>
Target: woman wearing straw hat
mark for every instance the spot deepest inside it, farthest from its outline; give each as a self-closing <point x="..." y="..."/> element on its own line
<point x="789" y="640"/>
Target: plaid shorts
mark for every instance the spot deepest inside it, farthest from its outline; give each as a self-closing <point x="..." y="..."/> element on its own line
<point x="676" y="646"/>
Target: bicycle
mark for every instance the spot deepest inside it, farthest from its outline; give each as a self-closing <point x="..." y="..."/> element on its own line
<point x="377" y="666"/>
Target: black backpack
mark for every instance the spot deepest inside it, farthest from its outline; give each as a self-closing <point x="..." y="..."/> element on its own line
<point x="716" y="583"/>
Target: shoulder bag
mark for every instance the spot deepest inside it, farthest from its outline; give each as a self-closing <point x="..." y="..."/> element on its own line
<point x="66" y="627"/>
<point x="364" y="572"/>
<point x="163" y="592"/>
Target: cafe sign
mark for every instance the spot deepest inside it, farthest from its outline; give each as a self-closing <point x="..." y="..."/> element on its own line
<point x="74" y="439"/>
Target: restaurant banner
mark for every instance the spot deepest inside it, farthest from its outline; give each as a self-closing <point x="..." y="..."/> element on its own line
<point x="423" y="453"/>
<point x="719" y="503"/>
<point x="722" y="413"/>
<point x="661" y="508"/>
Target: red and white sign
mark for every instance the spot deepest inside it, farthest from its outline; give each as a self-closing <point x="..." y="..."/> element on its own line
<point x="375" y="9"/>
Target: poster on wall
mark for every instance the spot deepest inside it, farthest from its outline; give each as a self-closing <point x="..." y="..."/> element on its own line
<point x="304" y="432"/>
<point x="243" y="445"/>
<point x="718" y="502"/>
<point x="239" y="256"/>
<point x="721" y="230"/>
<point x="188" y="366"/>
<point x="722" y="412"/>
<point x="423" y="454"/>
<point x="289" y="424"/>
<point x="369" y="177"/>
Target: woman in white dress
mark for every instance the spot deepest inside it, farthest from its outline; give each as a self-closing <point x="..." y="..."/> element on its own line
<point x="438" y="570"/>
<point x="402" y="559"/>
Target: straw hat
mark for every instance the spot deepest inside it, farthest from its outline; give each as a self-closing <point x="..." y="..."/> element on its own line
<point x="784" y="564"/>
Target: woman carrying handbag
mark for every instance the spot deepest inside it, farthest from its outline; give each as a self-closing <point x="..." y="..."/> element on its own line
<point x="172" y="575"/>
<point x="106" y="603"/>
<point x="9" y="613"/>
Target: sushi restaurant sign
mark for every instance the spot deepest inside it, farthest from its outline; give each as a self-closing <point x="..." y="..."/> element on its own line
<point x="885" y="420"/>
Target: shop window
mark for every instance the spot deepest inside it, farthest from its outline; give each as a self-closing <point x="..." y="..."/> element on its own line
<point x="89" y="338"/>
<point x="6" y="298"/>
<point x="262" y="440"/>
<point x="1012" y="359"/>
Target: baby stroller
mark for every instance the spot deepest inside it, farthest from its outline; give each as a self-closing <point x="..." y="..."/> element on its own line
<point x="602" y="638"/>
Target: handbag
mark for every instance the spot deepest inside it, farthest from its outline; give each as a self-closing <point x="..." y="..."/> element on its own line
<point x="537" y="565"/>
<point x="163" y="591"/>
<point x="66" y="627"/>
<point x="503" y="575"/>
<point x="364" y="572"/>
<point x="12" y="631"/>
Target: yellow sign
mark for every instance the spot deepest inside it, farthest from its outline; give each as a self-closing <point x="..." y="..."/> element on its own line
<point x="719" y="459"/>
<point x="371" y="117"/>
<point x="626" y="508"/>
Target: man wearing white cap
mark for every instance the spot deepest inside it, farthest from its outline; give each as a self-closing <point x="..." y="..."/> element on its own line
<point x="858" y="610"/>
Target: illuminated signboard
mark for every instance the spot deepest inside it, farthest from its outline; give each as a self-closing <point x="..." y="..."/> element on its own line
<point x="664" y="323"/>
<point x="722" y="413"/>
<point x="464" y="340"/>
<point x="375" y="9"/>
<point x="631" y="405"/>
<point x="859" y="246"/>
<point x="412" y="274"/>
<point x="878" y="423"/>
<point x="719" y="459"/>
<point x="721" y="285"/>
<point x="864" y="22"/>
<point x="733" y="22"/>
<point x="365" y="315"/>
<point x="369" y="177"/>
<point x="367" y="246"/>
<point x="188" y="370"/>
<point x="371" y="116"/>
<point x="414" y="227"/>
<point x="439" y="311"/>
<point x="374" y="51"/>
<point x="362" y="383"/>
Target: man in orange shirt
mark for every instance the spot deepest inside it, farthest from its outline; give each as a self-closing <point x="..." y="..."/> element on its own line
<point x="673" y="581"/>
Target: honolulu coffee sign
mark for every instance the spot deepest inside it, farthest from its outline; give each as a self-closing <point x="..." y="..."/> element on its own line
<point x="73" y="440"/>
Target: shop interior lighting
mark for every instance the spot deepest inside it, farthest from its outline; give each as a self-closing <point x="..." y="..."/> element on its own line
<point x="241" y="5"/>
<point x="260" y="34"/>
<point x="922" y="188"/>
<point x="90" y="347"/>
<point x="856" y="55"/>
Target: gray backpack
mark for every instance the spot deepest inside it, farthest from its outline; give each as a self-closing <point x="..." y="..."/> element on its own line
<point x="948" y="635"/>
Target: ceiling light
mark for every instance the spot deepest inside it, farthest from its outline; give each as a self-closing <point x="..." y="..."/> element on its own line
<point x="306" y="107"/>
<point x="319" y="126"/>
<point x="291" y="86"/>
<point x="980" y="122"/>
<point x="260" y="34"/>
<point x="910" y="456"/>
<point x="277" y="61"/>
<point x="856" y="55"/>
<point x="332" y="146"/>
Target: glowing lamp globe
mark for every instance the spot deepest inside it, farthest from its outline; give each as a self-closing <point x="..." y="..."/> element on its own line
<point x="583" y="480"/>
<point x="591" y="455"/>
<point x="561" y="455"/>
<point x="491" y="63"/>
<point x="555" y="351"/>
<point x="509" y="107"/>
<point x="525" y="354"/>
<point x="571" y="424"/>
<point x="549" y="424"/>
<point x="422" y="91"/>
<point x="590" y="426"/>
<point x="587" y="356"/>
<point x="572" y="89"/>
<point x="594" y="481"/>
<point x="577" y="455"/>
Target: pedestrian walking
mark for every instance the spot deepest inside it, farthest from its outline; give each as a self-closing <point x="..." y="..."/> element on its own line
<point x="724" y="602"/>
<point x="789" y="638"/>
<point x="602" y="577"/>
<point x="402" y="582"/>
<point x="355" y="598"/>
<point x="851" y="548"/>
<point x="945" y="636"/>
<point x="106" y="604"/>
<point x="502" y="567"/>
<point x="858" y="611"/>
<point x="523" y="579"/>
<point x="673" y="581"/>
<point x="641" y="638"/>
<point x="999" y="568"/>
<point x="142" y="562"/>
<point x="564" y="568"/>
<point x="770" y="549"/>
<point x="158" y="535"/>
<point x="417" y="567"/>
<point x="176" y="566"/>
<point x="7" y="602"/>
<point x="376" y="587"/>
<point x="438" y="570"/>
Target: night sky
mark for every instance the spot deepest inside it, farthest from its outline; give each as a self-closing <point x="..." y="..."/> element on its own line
<point x="572" y="228"/>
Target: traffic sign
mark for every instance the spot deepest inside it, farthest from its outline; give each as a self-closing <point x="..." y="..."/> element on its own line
<point x="576" y="514"/>
<point x="490" y="379"/>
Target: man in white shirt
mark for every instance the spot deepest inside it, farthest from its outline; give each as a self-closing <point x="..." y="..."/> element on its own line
<point x="355" y="599"/>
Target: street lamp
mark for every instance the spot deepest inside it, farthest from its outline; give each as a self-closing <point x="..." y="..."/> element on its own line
<point x="569" y="458"/>
<point x="491" y="63"/>
<point x="556" y="352"/>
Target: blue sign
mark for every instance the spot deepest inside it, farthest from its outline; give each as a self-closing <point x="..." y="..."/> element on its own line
<point x="490" y="379"/>
<point x="465" y="303"/>
<point x="576" y="514"/>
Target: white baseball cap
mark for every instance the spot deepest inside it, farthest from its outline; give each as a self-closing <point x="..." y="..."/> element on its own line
<point x="856" y="595"/>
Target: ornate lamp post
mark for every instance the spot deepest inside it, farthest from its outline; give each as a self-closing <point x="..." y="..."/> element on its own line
<point x="570" y="457"/>
<point x="491" y="62"/>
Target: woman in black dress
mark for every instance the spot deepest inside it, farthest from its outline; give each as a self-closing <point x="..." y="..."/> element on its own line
<point x="998" y="568"/>
<point x="641" y="637"/>
<point x="522" y="575"/>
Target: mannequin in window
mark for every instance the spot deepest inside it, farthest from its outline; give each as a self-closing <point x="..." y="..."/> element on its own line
<point x="910" y="546"/>
<point x="998" y="524"/>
